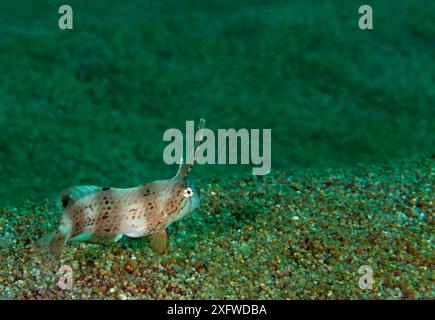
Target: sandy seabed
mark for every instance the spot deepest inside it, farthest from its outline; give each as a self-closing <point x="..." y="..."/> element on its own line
<point x="289" y="235"/>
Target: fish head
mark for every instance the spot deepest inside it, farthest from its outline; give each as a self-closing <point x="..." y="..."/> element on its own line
<point x="185" y="191"/>
<point x="187" y="195"/>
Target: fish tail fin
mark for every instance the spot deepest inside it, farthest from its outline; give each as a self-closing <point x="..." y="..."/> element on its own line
<point x="53" y="244"/>
<point x="56" y="245"/>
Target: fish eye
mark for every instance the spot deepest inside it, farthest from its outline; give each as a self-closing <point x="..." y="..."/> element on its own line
<point x="188" y="193"/>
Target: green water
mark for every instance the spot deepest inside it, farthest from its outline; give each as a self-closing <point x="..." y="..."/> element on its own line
<point x="89" y="106"/>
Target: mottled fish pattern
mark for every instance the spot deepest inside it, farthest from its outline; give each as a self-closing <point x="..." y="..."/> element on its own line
<point x="103" y="214"/>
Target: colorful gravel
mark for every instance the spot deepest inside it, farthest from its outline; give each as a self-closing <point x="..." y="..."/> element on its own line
<point x="289" y="235"/>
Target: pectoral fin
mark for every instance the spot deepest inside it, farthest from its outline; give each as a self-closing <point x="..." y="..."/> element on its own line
<point x="159" y="242"/>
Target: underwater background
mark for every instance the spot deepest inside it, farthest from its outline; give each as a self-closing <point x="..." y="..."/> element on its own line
<point x="352" y="116"/>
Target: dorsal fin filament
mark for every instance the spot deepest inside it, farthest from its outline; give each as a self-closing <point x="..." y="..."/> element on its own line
<point x="185" y="168"/>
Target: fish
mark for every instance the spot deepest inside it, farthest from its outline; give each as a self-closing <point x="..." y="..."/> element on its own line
<point x="104" y="215"/>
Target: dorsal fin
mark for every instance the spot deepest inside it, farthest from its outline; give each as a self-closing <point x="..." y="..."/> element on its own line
<point x="185" y="168"/>
<point x="72" y="194"/>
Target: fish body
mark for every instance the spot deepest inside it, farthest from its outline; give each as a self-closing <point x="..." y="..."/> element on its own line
<point x="104" y="215"/>
<point x="133" y="212"/>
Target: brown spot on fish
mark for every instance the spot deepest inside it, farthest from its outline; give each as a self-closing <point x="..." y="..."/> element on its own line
<point x="65" y="201"/>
